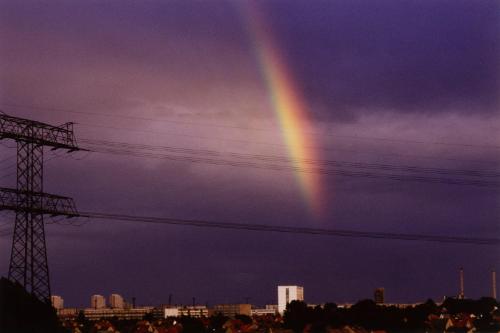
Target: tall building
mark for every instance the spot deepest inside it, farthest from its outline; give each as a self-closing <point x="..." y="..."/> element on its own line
<point x="97" y="302"/>
<point x="286" y="294"/>
<point x="116" y="301"/>
<point x="379" y="295"/>
<point x="57" y="302"/>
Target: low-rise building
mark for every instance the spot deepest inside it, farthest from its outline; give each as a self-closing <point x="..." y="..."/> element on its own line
<point x="189" y="311"/>
<point x="264" y="311"/>
<point x="67" y="313"/>
<point x="122" y="314"/>
<point x="57" y="302"/>
<point x="232" y="310"/>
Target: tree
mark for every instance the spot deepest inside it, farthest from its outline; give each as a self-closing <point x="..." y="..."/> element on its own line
<point x="297" y="316"/>
<point x="20" y="311"/>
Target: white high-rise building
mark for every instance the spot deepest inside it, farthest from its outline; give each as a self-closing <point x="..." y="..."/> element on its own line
<point x="57" y="302"/>
<point x="116" y="301"/>
<point x="97" y="302"/>
<point x="286" y="294"/>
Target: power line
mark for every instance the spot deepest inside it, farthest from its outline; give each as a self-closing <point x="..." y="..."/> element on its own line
<point x="275" y="167"/>
<point x="356" y="137"/>
<point x="333" y="135"/>
<point x="283" y="159"/>
<point x="274" y="144"/>
<point x="293" y="230"/>
<point x="281" y="145"/>
<point x="128" y="149"/>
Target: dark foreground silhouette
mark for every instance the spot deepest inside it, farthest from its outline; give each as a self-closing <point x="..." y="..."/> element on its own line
<point x="20" y="312"/>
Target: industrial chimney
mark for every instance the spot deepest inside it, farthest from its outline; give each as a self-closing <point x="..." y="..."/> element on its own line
<point x="494" y="284"/>
<point x="461" y="295"/>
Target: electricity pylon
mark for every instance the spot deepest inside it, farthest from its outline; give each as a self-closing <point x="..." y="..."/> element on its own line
<point x="28" y="260"/>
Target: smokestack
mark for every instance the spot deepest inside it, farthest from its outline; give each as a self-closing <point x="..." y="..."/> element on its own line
<point x="461" y="295"/>
<point x="494" y="284"/>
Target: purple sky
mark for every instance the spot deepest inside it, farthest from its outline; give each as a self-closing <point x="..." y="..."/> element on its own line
<point x="424" y="71"/>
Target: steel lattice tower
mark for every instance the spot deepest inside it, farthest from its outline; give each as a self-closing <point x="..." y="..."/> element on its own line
<point x="28" y="261"/>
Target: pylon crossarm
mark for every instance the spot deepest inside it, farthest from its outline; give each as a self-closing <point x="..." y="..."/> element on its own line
<point x="19" y="129"/>
<point x="40" y="203"/>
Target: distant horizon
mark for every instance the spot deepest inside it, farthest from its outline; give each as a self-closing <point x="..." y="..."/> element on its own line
<point x="138" y="303"/>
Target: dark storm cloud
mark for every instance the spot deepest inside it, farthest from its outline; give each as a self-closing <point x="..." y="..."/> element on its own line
<point x="403" y="56"/>
<point x="125" y="55"/>
<point x="349" y="57"/>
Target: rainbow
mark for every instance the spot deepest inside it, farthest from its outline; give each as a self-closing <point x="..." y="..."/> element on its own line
<point x="288" y="105"/>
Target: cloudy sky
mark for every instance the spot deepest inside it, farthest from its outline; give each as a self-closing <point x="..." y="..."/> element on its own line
<point x="399" y="83"/>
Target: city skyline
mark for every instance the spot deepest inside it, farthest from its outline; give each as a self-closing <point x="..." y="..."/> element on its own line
<point x="345" y="115"/>
<point x="378" y="295"/>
